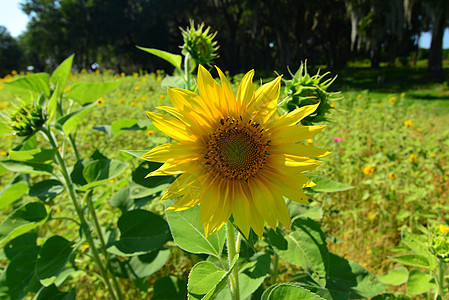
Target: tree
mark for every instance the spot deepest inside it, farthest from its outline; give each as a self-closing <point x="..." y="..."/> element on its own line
<point x="11" y="56"/>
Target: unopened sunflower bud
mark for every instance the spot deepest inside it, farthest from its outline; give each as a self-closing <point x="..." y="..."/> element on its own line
<point x="27" y="119"/>
<point x="199" y="44"/>
<point x="304" y="89"/>
<point x="439" y="242"/>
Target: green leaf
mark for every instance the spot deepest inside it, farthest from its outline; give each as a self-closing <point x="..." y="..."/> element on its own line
<point x="26" y="167"/>
<point x="252" y="274"/>
<point x="419" y="282"/>
<point x="142" y="187"/>
<point x="52" y="105"/>
<point x="289" y="291"/>
<point x="22" y="220"/>
<point x="305" y="246"/>
<point x="69" y="122"/>
<point x="30" y="87"/>
<point x="173" y="82"/>
<point x="15" y="189"/>
<point x="147" y="264"/>
<point x="52" y="258"/>
<point x="174" y="59"/>
<point x="206" y="280"/>
<point x="4" y="129"/>
<point x="141" y="232"/>
<point x="324" y="292"/>
<point x="16" y="278"/>
<point x="88" y="92"/>
<point x="297" y="210"/>
<point x="18" y="245"/>
<point x="187" y="234"/>
<point x="61" y="74"/>
<point x="98" y="171"/>
<point x="124" y="125"/>
<point x="346" y="275"/>
<point x="46" y="190"/>
<point x="122" y="200"/>
<point x="416" y="242"/>
<point x="53" y="293"/>
<point x="395" y="277"/>
<point x="392" y="296"/>
<point x="136" y="153"/>
<point x="169" y="287"/>
<point x="38" y="155"/>
<point x="324" y="185"/>
<point x="416" y="260"/>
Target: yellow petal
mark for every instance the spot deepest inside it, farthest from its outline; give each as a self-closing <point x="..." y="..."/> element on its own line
<point x="292" y="117"/>
<point x="209" y="90"/>
<point x="165" y="152"/>
<point x="263" y="201"/>
<point x="172" y="167"/>
<point x="171" y="127"/>
<point x="268" y="92"/>
<point x="295" y="133"/>
<point x="227" y="95"/>
<point x="187" y="183"/>
<point x="288" y="187"/>
<point x="184" y="203"/>
<point x="245" y="93"/>
<point x="299" y="150"/>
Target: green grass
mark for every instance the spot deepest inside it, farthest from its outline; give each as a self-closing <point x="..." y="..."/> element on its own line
<point x="364" y="223"/>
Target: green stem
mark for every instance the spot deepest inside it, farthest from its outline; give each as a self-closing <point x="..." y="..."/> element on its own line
<point x="84" y="226"/>
<point x="93" y="214"/>
<point x="440" y="279"/>
<point x="232" y="252"/>
<point x="75" y="148"/>
<point x="274" y="275"/>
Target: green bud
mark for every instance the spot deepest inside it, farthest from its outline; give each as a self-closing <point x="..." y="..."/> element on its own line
<point x="304" y="89"/>
<point x="199" y="44"/>
<point x="27" y="119"/>
<point x="439" y="242"/>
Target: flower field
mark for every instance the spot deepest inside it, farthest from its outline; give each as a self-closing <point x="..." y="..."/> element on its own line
<point x="391" y="146"/>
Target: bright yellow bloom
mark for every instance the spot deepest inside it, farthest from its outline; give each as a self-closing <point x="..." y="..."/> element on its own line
<point x="3" y="153"/>
<point x="443" y="228"/>
<point x="392" y="100"/>
<point x="5" y="103"/>
<point x="100" y="101"/>
<point x="333" y="105"/>
<point x="408" y="123"/>
<point x="122" y="74"/>
<point x="70" y="148"/>
<point x="359" y="96"/>
<point x="402" y="95"/>
<point x="137" y="88"/>
<point x="369" y="170"/>
<point x="380" y="105"/>
<point x="133" y="104"/>
<point x="67" y="90"/>
<point x="162" y="97"/>
<point x="413" y="158"/>
<point x="358" y="122"/>
<point x="13" y="72"/>
<point x="121" y="100"/>
<point x="150" y="132"/>
<point x="143" y="99"/>
<point x="418" y="129"/>
<point x="359" y="109"/>
<point x="235" y="156"/>
<point x="309" y="142"/>
<point x="392" y="176"/>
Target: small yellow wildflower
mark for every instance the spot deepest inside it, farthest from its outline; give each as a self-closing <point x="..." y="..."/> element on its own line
<point x="368" y="170"/>
<point x="121" y="100"/>
<point x="3" y="153"/>
<point x="358" y="122"/>
<point x="22" y="73"/>
<point x="408" y="123"/>
<point x="137" y="88"/>
<point x="111" y="180"/>
<point x="132" y="104"/>
<point x="392" y="100"/>
<point x="158" y="71"/>
<point x="83" y="70"/>
<point x="162" y="97"/>
<point x="70" y="148"/>
<point x="122" y="74"/>
<point x="29" y="73"/>
<point x="5" y="103"/>
<point x="380" y="105"/>
<point x="159" y="79"/>
<point x="143" y="99"/>
<point x="227" y="73"/>
<point x="1" y="106"/>
<point x="13" y="72"/>
<point x="141" y="106"/>
<point x="150" y="132"/>
<point x="100" y="101"/>
<point x="60" y="149"/>
<point x="359" y="109"/>
<point x="371" y="215"/>
<point x="418" y="129"/>
<point x="135" y="74"/>
<point x="309" y="142"/>
<point x="359" y="96"/>
<point x="67" y="90"/>
<point x="443" y="228"/>
<point x="333" y="105"/>
<point x="392" y="176"/>
<point x="84" y="247"/>
<point x="413" y="158"/>
<point x="97" y="72"/>
<point x="402" y="95"/>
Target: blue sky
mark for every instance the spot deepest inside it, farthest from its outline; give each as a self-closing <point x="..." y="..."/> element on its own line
<point x="15" y="20"/>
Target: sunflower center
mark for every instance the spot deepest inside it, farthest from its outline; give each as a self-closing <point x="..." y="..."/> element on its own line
<point x="236" y="149"/>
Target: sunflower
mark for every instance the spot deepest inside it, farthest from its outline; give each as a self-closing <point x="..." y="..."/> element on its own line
<point x="235" y="156"/>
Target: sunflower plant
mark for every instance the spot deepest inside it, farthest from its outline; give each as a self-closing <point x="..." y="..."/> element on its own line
<point x="239" y="172"/>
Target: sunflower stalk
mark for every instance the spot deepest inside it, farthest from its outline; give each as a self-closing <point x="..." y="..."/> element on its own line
<point x="440" y="279"/>
<point x="83" y="223"/>
<point x="233" y="250"/>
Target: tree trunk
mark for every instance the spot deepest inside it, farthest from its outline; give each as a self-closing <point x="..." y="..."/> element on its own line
<point x="435" y="66"/>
